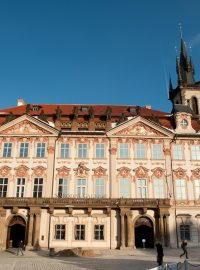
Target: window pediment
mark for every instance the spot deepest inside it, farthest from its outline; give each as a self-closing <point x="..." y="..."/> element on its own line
<point x="100" y="171"/>
<point x="82" y="170"/>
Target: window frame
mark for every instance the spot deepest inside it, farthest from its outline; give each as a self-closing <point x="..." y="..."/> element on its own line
<point x="100" y="187"/>
<point x="82" y="149"/>
<point x="158" y="187"/>
<point x="80" y="188"/>
<point x="182" y="230"/>
<point x="62" y="194"/>
<point x="99" y="232"/>
<point x="176" y="152"/>
<point x="157" y="154"/>
<point x="195" y="152"/>
<point x="123" y="150"/>
<point x="79" y="232"/>
<point x="37" y="193"/>
<point x="24" y="150"/>
<point x="3" y="187"/>
<point x="138" y="151"/>
<point x="59" y="229"/>
<point x="197" y="188"/>
<point x="7" y="151"/>
<point x="128" y="191"/>
<point x="100" y="151"/>
<point x="180" y="189"/>
<point x="142" y="187"/>
<point x="20" y="187"/>
<point x="64" y="151"/>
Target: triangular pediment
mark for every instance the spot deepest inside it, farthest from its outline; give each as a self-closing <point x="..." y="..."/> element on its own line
<point x="139" y="127"/>
<point x="27" y="125"/>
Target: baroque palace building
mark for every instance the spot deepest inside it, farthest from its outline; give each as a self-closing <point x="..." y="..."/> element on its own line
<point x="99" y="176"/>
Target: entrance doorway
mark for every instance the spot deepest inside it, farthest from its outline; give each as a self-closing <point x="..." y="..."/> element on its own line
<point x="16" y="231"/>
<point x="144" y="230"/>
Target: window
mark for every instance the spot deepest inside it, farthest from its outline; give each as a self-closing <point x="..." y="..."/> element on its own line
<point x="64" y="150"/>
<point x="123" y="150"/>
<point x="20" y="187"/>
<point x="99" y="232"/>
<point x="159" y="188"/>
<point x="7" y="148"/>
<point x="157" y="151"/>
<point x="195" y="152"/>
<point x="40" y="150"/>
<point x="100" y="150"/>
<point x="142" y="188"/>
<point x="62" y="187"/>
<point x="184" y="123"/>
<point x="180" y="189"/>
<point x="23" y="150"/>
<point x="82" y="150"/>
<point x="185" y="232"/>
<point x="81" y="187"/>
<point x="38" y="185"/>
<point x="197" y="189"/>
<point x="124" y="188"/>
<point x="3" y="187"/>
<point x="178" y="152"/>
<point x="60" y="232"/>
<point x="140" y="150"/>
<point x="99" y="187"/>
<point x="79" y="232"/>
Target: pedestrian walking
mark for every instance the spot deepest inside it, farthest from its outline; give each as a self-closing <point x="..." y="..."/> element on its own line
<point x="184" y="248"/>
<point x="160" y="254"/>
<point x="20" y="248"/>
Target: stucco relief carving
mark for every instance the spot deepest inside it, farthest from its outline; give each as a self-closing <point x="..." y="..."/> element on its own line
<point x="100" y="171"/>
<point x="82" y="170"/>
<point x="63" y="172"/>
<point x="180" y="173"/>
<point x="139" y="129"/>
<point x="141" y="172"/>
<point x="113" y="150"/>
<point x="21" y="171"/>
<point x="25" y="127"/>
<point x="39" y="171"/>
<point x="195" y="174"/>
<point x="158" y="172"/>
<point x="5" y="171"/>
<point x="167" y="151"/>
<point x="124" y="172"/>
<point x="50" y="149"/>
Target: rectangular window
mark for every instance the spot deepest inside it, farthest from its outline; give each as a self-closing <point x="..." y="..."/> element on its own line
<point x="99" y="232"/>
<point x="62" y="187"/>
<point x="195" y="152"/>
<point x="3" y="187"/>
<point x="82" y="150"/>
<point x="99" y="187"/>
<point x="157" y="151"/>
<point x="142" y="188"/>
<point x="185" y="232"/>
<point x="123" y="150"/>
<point x="23" y="150"/>
<point x="60" y="232"/>
<point x="124" y="188"/>
<point x="40" y="150"/>
<point x="37" y="189"/>
<point x="81" y="187"/>
<point x="180" y="189"/>
<point x="20" y="187"/>
<point x="159" y="188"/>
<point x="140" y="151"/>
<point x="100" y="150"/>
<point x="178" y="152"/>
<point x="197" y="189"/>
<point x="79" y="232"/>
<point x="64" y="150"/>
<point x="7" y="149"/>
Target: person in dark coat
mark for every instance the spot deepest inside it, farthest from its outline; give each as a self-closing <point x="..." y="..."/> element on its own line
<point x="160" y="254"/>
<point x="184" y="248"/>
<point x="20" y="248"/>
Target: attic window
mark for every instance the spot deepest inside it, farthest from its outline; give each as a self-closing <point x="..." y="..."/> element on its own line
<point x="84" y="109"/>
<point x="184" y="123"/>
<point x="35" y="108"/>
<point x="132" y="110"/>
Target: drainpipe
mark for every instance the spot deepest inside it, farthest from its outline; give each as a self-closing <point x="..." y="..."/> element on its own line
<point x="110" y="185"/>
<point x="54" y="160"/>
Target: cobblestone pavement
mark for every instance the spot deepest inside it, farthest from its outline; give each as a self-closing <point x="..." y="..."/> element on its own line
<point x="108" y="260"/>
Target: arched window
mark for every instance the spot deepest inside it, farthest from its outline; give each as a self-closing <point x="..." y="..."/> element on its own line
<point x="194" y="104"/>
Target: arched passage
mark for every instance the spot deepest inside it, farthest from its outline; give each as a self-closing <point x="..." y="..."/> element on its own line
<point x="16" y="231"/>
<point x="194" y="104"/>
<point x="144" y="230"/>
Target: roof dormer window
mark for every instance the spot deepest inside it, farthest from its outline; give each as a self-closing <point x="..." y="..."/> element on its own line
<point x="84" y="109"/>
<point x="184" y="123"/>
<point x="35" y="108"/>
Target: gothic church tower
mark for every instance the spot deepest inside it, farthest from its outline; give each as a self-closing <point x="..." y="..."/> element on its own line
<point x="187" y="92"/>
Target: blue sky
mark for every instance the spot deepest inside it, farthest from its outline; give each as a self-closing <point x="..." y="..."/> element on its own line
<point x="93" y="51"/>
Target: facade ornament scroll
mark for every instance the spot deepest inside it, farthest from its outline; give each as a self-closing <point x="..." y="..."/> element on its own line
<point x="63" y="172"/>
<point x="124" y="172"/>
<point x="167" y="151"/>
<point x="195" y="174"/>
<point x="39" y="171"/>
<point x="158" y="173"/>
<point x="82" y="170"/>
<point x="5" y="171"/>
<point x="100" y="171"/>
<point x="141" y="172"/>
<point x="21" y="171"/>
<point x="180" y="173"/>
<point x="50" y="149"/>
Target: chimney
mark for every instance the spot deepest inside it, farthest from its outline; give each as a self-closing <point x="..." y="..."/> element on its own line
<point x="20" y="102"/>
<point x="148" y="107"/>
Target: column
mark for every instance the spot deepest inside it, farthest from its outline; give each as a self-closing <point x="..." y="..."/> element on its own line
<point x="37" y="230"/>
<point x="130" y="230"/>
<point x="122" y="233"/>
<point x="161" y="229"/>
<point x="3" y="231"/>
<point x="167" y="236"/>
<point x="157" y="227"/>
<point x="30" y="230"/>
